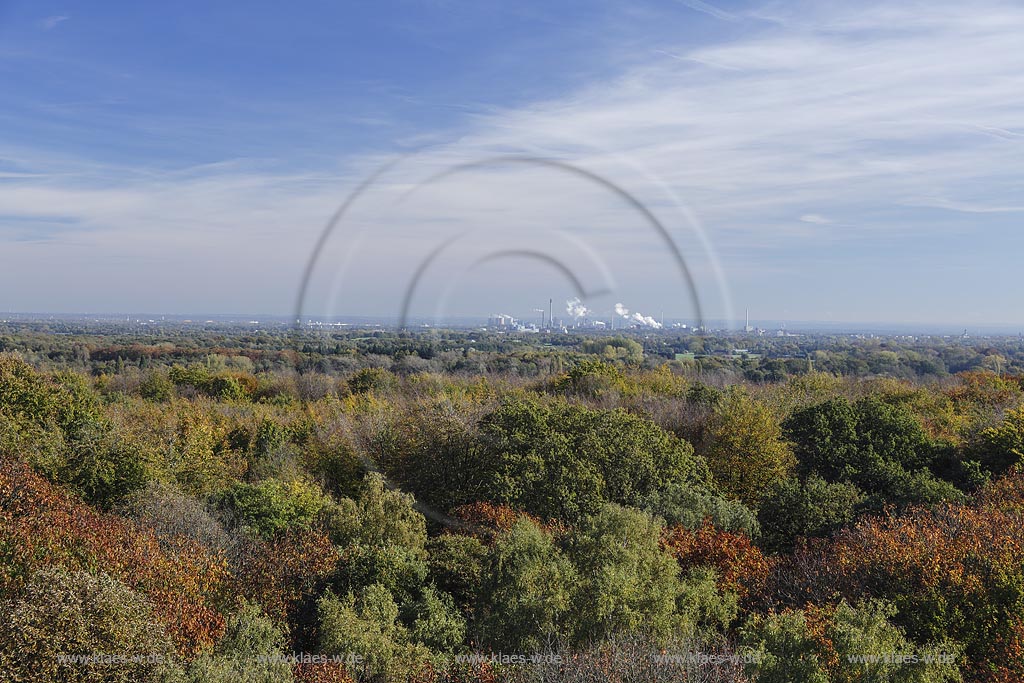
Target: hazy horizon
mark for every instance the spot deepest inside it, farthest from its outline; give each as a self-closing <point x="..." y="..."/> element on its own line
<point x="770" y="326"/>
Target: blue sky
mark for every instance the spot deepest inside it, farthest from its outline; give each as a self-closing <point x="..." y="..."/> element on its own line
<point x="818" y="161"/>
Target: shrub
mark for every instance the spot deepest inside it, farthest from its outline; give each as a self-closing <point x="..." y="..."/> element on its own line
<point x="245" y="653"/>
<point x="837" y="644"/>
<point x="746" y="451"/>
<point x="625" y="582"/>
<point x="366" y="624"/>
<point x="435" y="621"/>
<point x="156" y="386"/>
<point x="60" y="612"/>
<point x="814" y="507"/>
<point x="527" y="590"/>
<point x="272" y="506"/>
<point x="367" y="380"/>
<point x="456" y="566"/>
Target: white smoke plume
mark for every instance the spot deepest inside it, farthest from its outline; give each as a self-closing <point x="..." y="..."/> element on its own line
<point x="575" y="308"/>
<point x="637" y="317"/>
<point x="646" y="321"/>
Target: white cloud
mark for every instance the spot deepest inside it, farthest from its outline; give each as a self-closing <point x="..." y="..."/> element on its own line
<point x="51" y="22"/>
<point x="706" y="8"/>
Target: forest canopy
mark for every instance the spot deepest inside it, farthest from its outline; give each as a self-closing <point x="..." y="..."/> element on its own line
<point x="220" y="501"/>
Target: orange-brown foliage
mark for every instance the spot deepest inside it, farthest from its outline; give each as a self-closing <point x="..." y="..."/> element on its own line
<point x="329" y="672"/>
<point x="985" y="388"/>
<point x="1006" y="493"/>
<point x="952" y="572"/>
<point x="42" y="526"/>
<point x="282" y="572"/>
<point x="457" y="673"/>
<point x="742" y="567"/>
<point x="491" y="518"/>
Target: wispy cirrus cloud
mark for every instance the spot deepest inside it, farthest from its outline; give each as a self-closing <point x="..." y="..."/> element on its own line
<point x="51" y="22"/>
<point x="710" y="9"/>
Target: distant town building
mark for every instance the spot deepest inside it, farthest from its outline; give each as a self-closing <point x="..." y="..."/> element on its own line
<point x="501" y="321"/>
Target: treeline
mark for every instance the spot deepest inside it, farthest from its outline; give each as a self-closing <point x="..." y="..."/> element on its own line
<point x="608" y="510"/>
<point x="724" y="358"/>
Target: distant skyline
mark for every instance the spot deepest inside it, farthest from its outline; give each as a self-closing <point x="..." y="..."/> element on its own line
<point x="818" y="161"/>
<point x="770" y="328"/>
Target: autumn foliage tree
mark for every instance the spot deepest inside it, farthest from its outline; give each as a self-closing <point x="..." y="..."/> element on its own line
<point x="746" y="450"/>
<point x="42" y="526"/>
<point x="740" y="565"/>
<point x="410" y="499"/>
<point x="954" y="572"/>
